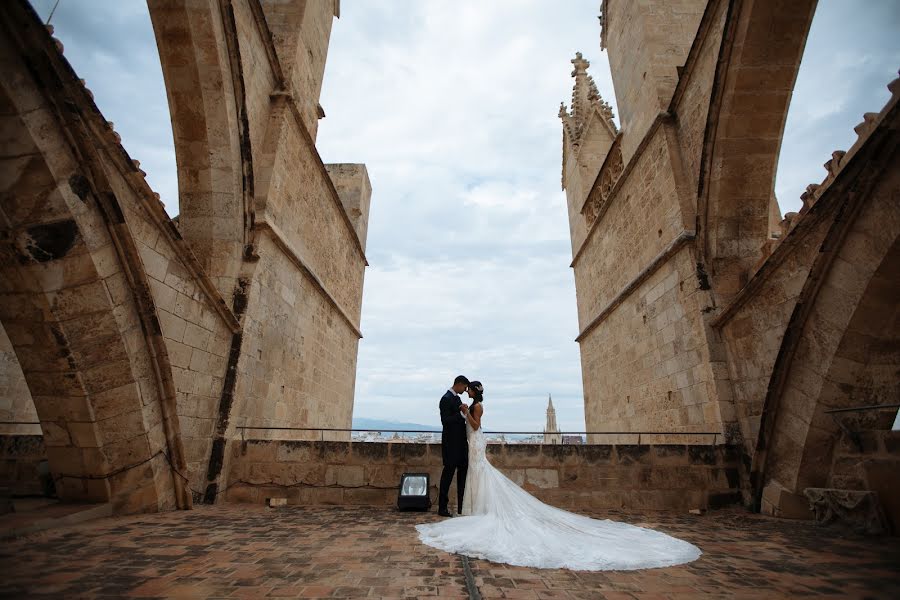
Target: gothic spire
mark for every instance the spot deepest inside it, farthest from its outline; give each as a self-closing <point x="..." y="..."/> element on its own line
<point x="586" y="100"/>
<point x="551" y="432"/>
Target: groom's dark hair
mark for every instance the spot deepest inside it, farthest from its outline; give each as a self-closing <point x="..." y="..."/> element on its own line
<point x="461" y="379"/>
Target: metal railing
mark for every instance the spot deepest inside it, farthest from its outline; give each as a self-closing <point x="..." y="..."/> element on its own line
<point x="321" y="431"/>
<point x="862" y="408"/>
<point x="14" y="423"/>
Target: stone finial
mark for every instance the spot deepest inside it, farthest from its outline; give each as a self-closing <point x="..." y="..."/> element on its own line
<point x="568" y="122"/>
<point x="581" y="65"/>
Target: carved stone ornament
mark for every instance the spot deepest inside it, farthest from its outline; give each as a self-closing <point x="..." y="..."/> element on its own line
<point x="860" y="510"/>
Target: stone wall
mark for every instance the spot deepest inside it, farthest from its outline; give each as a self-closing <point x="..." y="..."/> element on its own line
<point x="298" y="359"/>
<point x="699" y="306"/>
<point x="754" y="332"/>
<point x="351" y="181"/>
<point x="16" y="404"/>
<point x="871" y="462"/>
<point x="657" y="477"/>
<point x="299" y="271"/>
<point x="145" y="340"/>
<point x="20" y="457"/>
<point x="647" y="42"/>
<point x="647" y="357"/>
<point x="197" y="333"/>
<point x="646" y="366"/>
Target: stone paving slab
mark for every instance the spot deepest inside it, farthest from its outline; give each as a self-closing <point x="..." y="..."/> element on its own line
<point x="248" y="551"/>
<point x="37" y="514"/>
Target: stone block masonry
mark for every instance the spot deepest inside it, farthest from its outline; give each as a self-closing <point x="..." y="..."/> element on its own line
<point x="139" y="341"/>
<point x="675" y="477"/>
<point x="699" y="305"/>
<point x="20" y="459"/>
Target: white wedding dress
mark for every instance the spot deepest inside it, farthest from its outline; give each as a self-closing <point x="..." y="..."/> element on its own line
<point x="503" y="523"/>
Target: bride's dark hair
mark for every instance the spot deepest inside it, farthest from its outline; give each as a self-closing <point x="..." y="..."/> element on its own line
<point x="476" y="387"/>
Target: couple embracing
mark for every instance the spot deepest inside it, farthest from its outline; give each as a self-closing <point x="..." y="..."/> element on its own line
<point x="456" y="419"/>
<point x="503" y="523"/>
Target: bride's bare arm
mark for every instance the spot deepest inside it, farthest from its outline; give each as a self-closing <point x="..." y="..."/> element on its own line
<point x="474" y="416"/>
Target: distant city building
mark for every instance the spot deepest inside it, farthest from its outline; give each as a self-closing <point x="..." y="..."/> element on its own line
<point x="551" y="432"/>
<point x="572" y="439"/>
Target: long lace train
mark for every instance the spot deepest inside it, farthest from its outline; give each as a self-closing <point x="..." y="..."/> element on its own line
<point x="506" y="524"/>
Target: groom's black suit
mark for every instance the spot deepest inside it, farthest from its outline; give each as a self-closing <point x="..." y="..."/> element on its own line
<point x="455" y="450"/>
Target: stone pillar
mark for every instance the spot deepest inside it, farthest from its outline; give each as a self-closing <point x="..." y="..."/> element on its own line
<point x="302" y="55"/>
<point x="646" y="41"/>
<point x="355" y="191"/>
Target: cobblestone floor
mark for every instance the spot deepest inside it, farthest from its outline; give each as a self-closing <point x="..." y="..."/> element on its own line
<point x="238" y="551"/>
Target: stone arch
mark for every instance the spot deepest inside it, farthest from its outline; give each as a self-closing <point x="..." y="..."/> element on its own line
<point x="754" y="81"/>
<point x="215" y="216"/>
<point x="847" y="350"/>
<point x="865" y="371"/>
<point x="71" y="298"/>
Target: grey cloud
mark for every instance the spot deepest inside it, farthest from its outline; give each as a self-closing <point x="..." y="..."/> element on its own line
<point x="852" y="53"/>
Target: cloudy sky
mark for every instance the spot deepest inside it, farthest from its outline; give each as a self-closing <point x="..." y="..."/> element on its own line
<point x="452" y="106"/>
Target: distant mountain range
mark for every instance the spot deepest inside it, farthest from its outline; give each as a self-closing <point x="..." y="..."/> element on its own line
<point x="389" y="426"/>
<point x="365" y="423"/>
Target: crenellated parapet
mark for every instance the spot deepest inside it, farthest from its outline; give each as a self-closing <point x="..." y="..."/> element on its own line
<point x="840" y="159"/>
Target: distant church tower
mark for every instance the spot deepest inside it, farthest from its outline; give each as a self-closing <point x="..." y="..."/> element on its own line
<point x="551" y="432"/>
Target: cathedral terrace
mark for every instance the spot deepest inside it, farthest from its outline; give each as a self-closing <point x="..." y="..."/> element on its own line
<point x="168" y="381"/>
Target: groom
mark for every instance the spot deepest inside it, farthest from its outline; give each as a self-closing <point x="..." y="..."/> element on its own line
<point x="454" y="447"/>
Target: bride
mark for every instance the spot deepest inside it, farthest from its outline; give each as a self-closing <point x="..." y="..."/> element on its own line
<point x="503" y="523"/>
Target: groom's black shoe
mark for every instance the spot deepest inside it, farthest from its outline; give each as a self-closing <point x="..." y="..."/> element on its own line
<point x="444" y="513"/>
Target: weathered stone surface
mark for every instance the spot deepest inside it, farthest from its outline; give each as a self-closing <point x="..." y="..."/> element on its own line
<point x="363" y="473"/>
<point x="246" y="311"/>
<point x="859" y="510"/>
<point x="700" y="308"/>
<point x="780" y="502"/>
